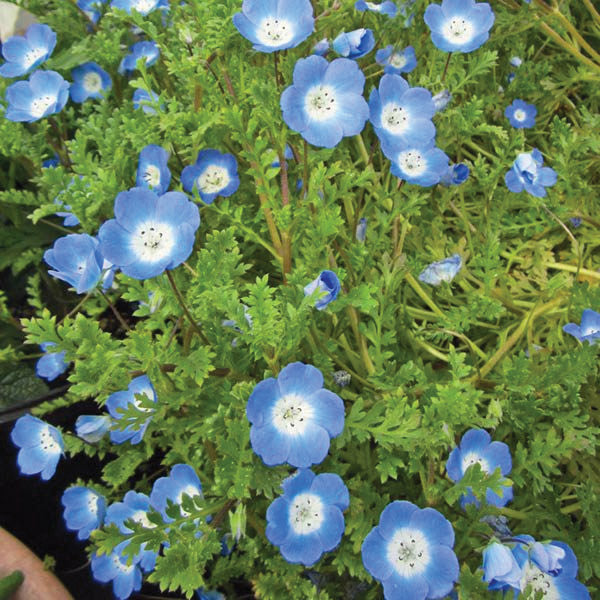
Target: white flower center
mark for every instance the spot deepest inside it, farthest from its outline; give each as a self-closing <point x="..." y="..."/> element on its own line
<point x="188" y="490"/>
<point x="120" y="566"/>
<point x="520" y="114"/>
<point x="408" y="551"/>
<point x="274" y="31"/>
<point x="458" y="31"/>
<point x="32" y="55"/>
<point x="291" y="413"/>
<point x="41" y="104"/>
<point x="153" y="242"/>
<point x="92" y="503"/>
<point x="539" y="582"/>
<point x="394" y="118"/>
<point x="213" y="179"/>
<point x="306" y="513"/>
<point x="138" y="403"/>
<point x="320" y="103"/>
<point x="48" y="441"/>
<point x="141" y="517"/>
<point x="397" y="60"/>
<point x="471" y="459"/>
<point x="92" y="82"/>
<point x="412" y="162"/>
<point x="144" y="6"/>
<point x="152" y="176"/>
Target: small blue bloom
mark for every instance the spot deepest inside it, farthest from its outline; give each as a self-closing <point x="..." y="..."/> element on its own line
<point x="113" y="567"/>
<point x="209" y="595"/>
<point x="307" y="520"/>
<point x="84" y="510"/>
<point x="419" y="164"/>
<point x="153" y="170"/>
<point x="46" y="93"/>
<point x="515" y="61"/>
<point x="214" y="174"/>
<point x="144" y="7"/>
<point x="91" y="8"/>
<point x="76" y="259"/>
<point x="90" y="80"/>
<point x="575" y="221"/>
<point x="321" y="48"/>
<point x="24" y="53"/>
<point x="441" y="100"/>
<point x="328" y="284"/>
<point x="92" y="428"/>
<point x="410" y="552"/>
<point x="528" y="174"/>
<point x="354" y="44"/>
<point x="288" y="154"/>
<point x="385" y="8"/>
<point x="149" y="233"/>
<point x="41" y="446"/>
<point x="443" y="270"/>
<point x="182" y="481"/>
<point x="396" y="62"/>
<point x="588" y="330"/>
<point x="121" y="401"/>
<point x="459" y="25"/>
<point x="520" y="114"/>
<point x="476" y="447"/>
<point x="293" y="417"/>
<point x="275" y="24"/>
<point x="325" y="102"/>
<point x="69" y="219"/>
<point x="361" y="230"/>
<point x="51" y="163"/>
<point x="146" y="50"/>
<point x="510" y="78"/>
<point x="500" y="568"/>
<point x="52" y="364"/>
<point x="455" y="175"/>
<point x="146" y="101"/>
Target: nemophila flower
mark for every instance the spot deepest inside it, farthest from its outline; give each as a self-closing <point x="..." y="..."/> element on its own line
<point x="476" y="447"/>
<point x="275" y="24"/>
<point x="44" y="94"/>
<point x="328" y="285"/>
<point x="149" y="51"/>
<point x="69" y="219"/>
<point x="575" y="221"/>
<point x="441" y="100"/>
<point x="90" y="80"/>
<point x="24" y="53"/>
<point x="52" y="364"/>
<point x="321" y="48"/>
<point x="146" y="101"/>
<point x="589" y="328"/>
<point x="153" y="170"/>
<point x="51" y="163"/>
<point x="209" y="595"/>
<point x="325" y="103"/>
<point x="528" y="174"/>
<point x="500" y="568"/>
<point x="396" y="62"/>
<point x="125" y="578"/>
<point x="459" y="25"/>
<point x="354" y="44"/>
<point x="361" y="230"/>
<point x="455" y="174"/>
<point x="182" y="481"/>
<point x="84" y="510"/>
<point x="515" y="61"/>
<point x="410" y="553"/>
<point x="121" y="401"/>
<point x="420" y="164"/>
<point x="92" y="428"/>
<point x="149" y="233"/>
<point x="509" y="78"/>
<point x="214" y="174"/>
<point x="91" y="8"/>
<point x="41" y="446"/>
<point x="144" y="7"/>
<point x="76" y="259"/>
<point x="520" y="114"/>
<point x="385" y="8"/>
<point x="442" y="270"/>
<point x="307" y="520"/>
<point x="293" y="417"/>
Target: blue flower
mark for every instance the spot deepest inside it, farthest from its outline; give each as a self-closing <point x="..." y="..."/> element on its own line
<point x="182" y="481"/>
<point x="209" y="595"/>
<point x="321" y="48"/>
<point x="147" y="50"/>
<point x="328" y="285"/>
<point x="500" y="568"/>
<point x="459" y="25"/>
<point x="520" y="114"/>
<point x="443" y="270"/>
<point x="325" y="102"/>
<point x="528" y="174"/>
<point x="361" y="230"/>
<point x="150" y="233"/>
<point x="113" y="567"/>
<point x="69" y="219"/>
<point x="441" y="100"/>
<point x="90" y="80"/>
<point x="51" y="163"/>
<point x="84" y="510"/>
<point x="385" y="8"/>
<point x="121" y="401"/>
<point x="307" y="520"/>
<point x="410" y="553"/>
<point x="455" y="175"/>
<point x="52" y="364"/>
<point x="214" y="174"/>
<point x="420" y="164"/>
<point x="354" y="44"/>
<point x="293" y="417"/>
<point x="275" y="24"/>
<point x="515" y="61"/>
<point x="401" y="114"/>
<point x="41" y="446"/>
<point x="396" y="62"/>
<point x="144" y="7"/>
<point x="146" y="101"/>
<point x="44" y="94"/>
<point x="575" y="221"/>
<point x="588" y="330"/>
<point x="476" y="447"/>
<point x="92" y="428"/>
<point x="24" y="53"/>
<point x="76" y="259"/>
<point x="91" y="8"/>
<point x="153" y="170"/>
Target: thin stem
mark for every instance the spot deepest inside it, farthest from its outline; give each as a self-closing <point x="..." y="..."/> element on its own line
<point x="115" y="311"/>
<point x="181" y="301"/>
<point x="446" y="66"/>
<point x="414" y="284"/>
<point x="286" y="240"/>
<point x="568" y="47"/>
<point x="305" y="173"/>
<point x="595" y="14"/>
<point x="77" y="307"/>
<point x="278" y="80"/>
<point x="363" y="149"/>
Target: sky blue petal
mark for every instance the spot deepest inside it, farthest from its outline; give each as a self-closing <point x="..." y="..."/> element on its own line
<point x="332" y="529"/>
<point x="568" y="563"/>
<point x="457" y="7"/>
<point x="397" y="587"/>
<point x="118" y="400"/>
<point x="310" y="448"/>
<point x="26" y="431"/>
<point x="11" y="69"/>
<point x="546" y="176"/>
<point x="245" y="27"/>
<point x="434" y="17"/>
<point x="142" y="385"/>
<point x="418" y="101"/>
<point x="590" y="321"/>
<point x="103" y="568"/>
<point x="270" y="445"/>
<point x="497" y="454"/>
<point x="14" y="48"/>
<point x="135" y="207"/>
<point x="175" y="209"/>
<point x="328" y="411"/>
<point x="125" y="583"/>
<point x="294" y="10"/>
<point x="299" y="378"/>
<point x="374" y="555"/>
<point x="32" y="460"/>
<point x="434" y="525"/>
<point x="571" y="589"/>
<point x="324" y="136"/>
<point x="19" y="94"/>
<point x="277" y="521"/>
<point x="257" y="10"/>
<point x="513" y="181"/>
<point x="184" y="246"/>
<point x="146" y="270"/>
<point x="441" y="572"/>
<point x="189" y="176"/>
<point x="292" y="105"/>
<point x="331" y="489"/>
<point x="115" y="244"/>
<point x="353" y="114"/>
<point x="392" y="88"/>
<point x="261" y="401"/>
<point x="499" y="500"/>
<point x="298" y="482"/>
<point x="395" y="515"/>
<point x="42" y="36"/>
<point x="442" y="43"/>
<point x="482" y="16"/>
<point x="475" y="440"/>
<point x="304" y="549"/>
<point x="454" y="466"/>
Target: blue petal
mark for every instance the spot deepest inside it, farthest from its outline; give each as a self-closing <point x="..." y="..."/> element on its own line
<point x="328" y="411"/>
<point x="26" y="431"/>
<point x="454" y="465"/>
<point x="434" y="17"/>
<point x="301" y="379"/>
<point x="497" y="454"/>
<point x="570" y="589"/>
<point x="331" y="489"/>
<point x="436" y="528"/>
<point x="261" y="401"/>
<point x="397" y="587"/>
<point x="277" y="521"/>
<point x="395" y="515"/>
<point x="134" y="207"/>
<point x="441" y="572"/>
<point x="513" y="181"/>
<point x="475" y="440"/>
<point x="270" y="445"/>
<point x="175" y="209"/>
<point x="374" y="555"/>
<point x="300" y="481"/>
<point x="310" y="448"/>
<point x="332" y="529"/>
<point x="304" y="549"/>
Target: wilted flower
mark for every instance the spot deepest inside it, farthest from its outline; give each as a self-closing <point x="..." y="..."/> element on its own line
<point x="443" y="270"/>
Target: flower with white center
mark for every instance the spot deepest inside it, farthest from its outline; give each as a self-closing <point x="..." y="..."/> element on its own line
<point x="354" y="44"/>
<point x="84" y="510"/>
<point x="144" y="7"/>
<point x="442" y="270"/>
<point x="588" y="330"/>
<point x="410" y="553"/>
<point x="275" y="24"/>
<point x="387" y="8"/>
<point x="24" y="53"/>
<point x="51" y="364"/>
<point x="92" y="428"/>
<point x="89" y="81"/>
<point x="293" y="418"/>
<point x="325" y="102"/>
<point x="213" y="174"/>
<point x="153" y="170"/>
<point x="459" y="25"/>
<point x="520" y="114"/>
<point x="527" y="173"/>
<point x="328" y="286"/>
<point x="41" y="446"/>
<point x="182" y="481"/>
<point x="476" y="447"/>
<point x="148" y="51"/>
<point x="394" y="61"/>
<point x="307" y="519"/>
<point x="113" y="567"/>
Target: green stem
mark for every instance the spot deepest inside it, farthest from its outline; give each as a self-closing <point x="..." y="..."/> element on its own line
<point x="414" y="284"/>
<point x="362" y="148"/>
<point x="115" y="311"/>
<point x="181" y="301"/>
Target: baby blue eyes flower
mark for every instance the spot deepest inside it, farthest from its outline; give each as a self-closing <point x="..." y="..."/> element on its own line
<point x="441" y="100"/>
<point x="24" y="53"/>
<point x="395" y="62"/>
<point x="328" y="284"/>
<point x="528" y="174"/>
<point x="146" y="101"/>
<point x="293" y="417"/>
<point x="500" y="567"/>
<point x="41" y="446"/>
<point x="92" y="428"/>
<point x="44" y="94"/>
<point x="361" y="230"/>
<point x="420" y="164"/>
<point x="410" y="553"/>
<point x="307" y="519"/>
<point x="459" y="25"/>
<point x="325" y="102"/>
<point x="214" y="174"/>
<point x="588" y="330"/>
<point x="182" y="481"/>
<point x="354" y="44"/>
<point x="84" y="510"/>
<point x="149" y="233"/>
<point x="153" y="171"/>
<point x="275" y="24"/>
<point x="91" y="8"/>
<point x="146" y="50"/>
<point x="515" y="61"/>
<point x="52" y="364"/>
<point x="144" y="7"/>
<point x="520" y="114"/>
<point x="455" y="175"/>
<point x="89" y="81"/>
<point x="443" y="270"/>
<point x="385" y="8"/>
<point x="113" y="567"/>
<point x="321" y="48"/>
